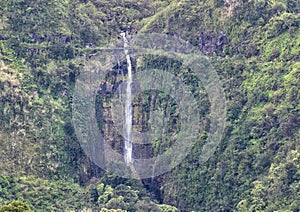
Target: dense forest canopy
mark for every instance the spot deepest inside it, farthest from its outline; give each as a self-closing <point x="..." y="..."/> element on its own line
<point x="254" y="46"/>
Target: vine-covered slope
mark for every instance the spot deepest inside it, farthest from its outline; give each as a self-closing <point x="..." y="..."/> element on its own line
<point x="253" y="45"/>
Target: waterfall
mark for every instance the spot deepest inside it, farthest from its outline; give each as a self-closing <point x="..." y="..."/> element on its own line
<point x="127" y="123"/>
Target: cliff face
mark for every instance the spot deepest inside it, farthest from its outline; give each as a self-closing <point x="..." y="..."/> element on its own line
<point x="209" y="43"/>
<point x="253" y="46"/>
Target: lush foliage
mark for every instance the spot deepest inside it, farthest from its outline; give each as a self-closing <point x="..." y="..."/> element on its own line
<point x="108" y="193"/>
<point x="253" y="45"/>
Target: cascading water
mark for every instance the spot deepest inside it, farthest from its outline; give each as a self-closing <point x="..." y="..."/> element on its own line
<point x="127" y="123"/>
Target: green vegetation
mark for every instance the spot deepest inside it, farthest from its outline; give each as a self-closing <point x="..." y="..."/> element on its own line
<point x="253" y="45"/>
<point x="15" y="206"/>
<point x="59" y="195"/>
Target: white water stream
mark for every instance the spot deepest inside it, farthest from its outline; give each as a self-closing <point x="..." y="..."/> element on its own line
<point x="127" y="123"/>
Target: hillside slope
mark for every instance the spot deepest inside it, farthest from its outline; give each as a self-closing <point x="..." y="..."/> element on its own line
<point x="253" y="45"/>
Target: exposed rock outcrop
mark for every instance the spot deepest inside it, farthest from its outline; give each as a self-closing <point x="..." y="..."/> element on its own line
<point x="210" y="43"/>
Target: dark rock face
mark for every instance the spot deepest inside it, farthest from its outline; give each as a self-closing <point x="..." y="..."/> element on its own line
<point x="109" y="115"/>
<point x="210" y="43"/>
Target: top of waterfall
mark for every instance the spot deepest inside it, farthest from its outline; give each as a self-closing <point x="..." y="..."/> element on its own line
<point x="126" y="43"/>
